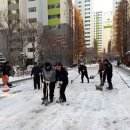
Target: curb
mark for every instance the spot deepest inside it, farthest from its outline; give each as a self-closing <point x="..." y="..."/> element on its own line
<point x="16" y="81"/>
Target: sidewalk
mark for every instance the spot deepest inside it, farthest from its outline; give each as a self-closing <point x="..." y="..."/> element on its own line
<point x="16" y="79"/>
<point x="124" y="73"/>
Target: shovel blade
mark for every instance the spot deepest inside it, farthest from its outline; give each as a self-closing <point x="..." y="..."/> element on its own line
<point x="71" y="81"/>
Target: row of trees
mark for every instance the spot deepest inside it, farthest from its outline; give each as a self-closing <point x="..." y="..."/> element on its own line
<point x="120" y="29"/>
<point x="46" y="44"/>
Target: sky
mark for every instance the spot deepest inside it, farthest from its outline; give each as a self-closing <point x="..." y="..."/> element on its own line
<point x="103" y="5"/>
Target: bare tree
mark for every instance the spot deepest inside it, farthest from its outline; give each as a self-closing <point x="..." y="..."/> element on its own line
<point x="8" y="27"/>
<point x="51" y="46"/>
<point x="120" y="29"/>
<point x="32" y="31"/>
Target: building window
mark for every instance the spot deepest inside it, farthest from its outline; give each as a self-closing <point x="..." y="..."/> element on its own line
<point x="87" y="20"/>
<point x="87" y="36"/>
<point x="87" y="32"/>
<point x="87" y="40"/>
<point x="53" y="16"/>
<point x="87" y="13"/>
<point x="30" y="49"/>
<point x="87" y="5"/>
<point x="87" y="17"/>
<point x="87" y="9"/>
<point x="32" y="9"/>
<point x="32" y="20"/>
<point x="31" y="0"/>
<point x="53" y="6"/>
<point x="87" y="28"/>
<point x="87" y="0"/>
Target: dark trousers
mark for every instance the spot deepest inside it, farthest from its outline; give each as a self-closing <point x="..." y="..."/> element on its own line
<point x="104" y="77"/>
<point x="36" y="82"/>
<point x="62" y="91"/>
<point x="86" y="75"/>
<point x="101" y="76"/>
<point x="51" y="89"/>
<point x="109" y="80"/>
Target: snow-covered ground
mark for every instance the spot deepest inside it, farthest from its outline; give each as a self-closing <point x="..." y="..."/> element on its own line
<point x="88" y="109"/>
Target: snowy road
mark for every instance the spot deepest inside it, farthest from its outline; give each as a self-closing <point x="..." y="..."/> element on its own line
<point x="88" y="109"/>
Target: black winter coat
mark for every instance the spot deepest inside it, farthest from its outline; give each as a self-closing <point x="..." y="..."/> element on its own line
<point x="36" y="71"/>
<point x="82" y="69"/>
<point x="62" y="75"/>
<point x="108" y="69"/>
<point x="6" y="70"/>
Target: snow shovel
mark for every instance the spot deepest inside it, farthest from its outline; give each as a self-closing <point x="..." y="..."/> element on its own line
<point x="60" y="100"/>
<point x="74" y="79"/>
<point x="45" y="101"/>
<point x="93" y="76"/>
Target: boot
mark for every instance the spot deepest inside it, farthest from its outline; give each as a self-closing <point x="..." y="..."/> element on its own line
<point x="82" y="81"/>
<point x="102" y="84"/>
<point x="88" y="80"/>
<point x="51" y="101"/>
<point x="110" y="86"/>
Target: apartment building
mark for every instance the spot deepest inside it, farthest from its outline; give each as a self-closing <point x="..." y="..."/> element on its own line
<point x="107" y="29"/>
<point x="11" y="9"/>
<point x="86" y="9"/>
<point x="59" y="22"/>
<point x="53" y="14"/>
<point x="98" y="30"/>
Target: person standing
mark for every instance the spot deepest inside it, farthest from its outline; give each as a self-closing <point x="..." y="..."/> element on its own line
<point x="100" y="71"/>
<point x="83" y="70"/>
<point x="118" y="62"/>
<point x="108" y="70"/>
<point x="5" y="76"/>
<point x="36" y="73"/>
<point x="6" y="69"/>
<point x="62" y="78"/>
<point x="48" y="78"/>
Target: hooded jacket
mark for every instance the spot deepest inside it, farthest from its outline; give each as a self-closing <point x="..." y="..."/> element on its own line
<point x="49" y="75"/>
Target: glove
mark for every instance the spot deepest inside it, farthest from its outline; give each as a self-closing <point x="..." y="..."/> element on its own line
<point x="47" y="82"/>
<point x="61" y="82"/>
<point x="43" y="81"/>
